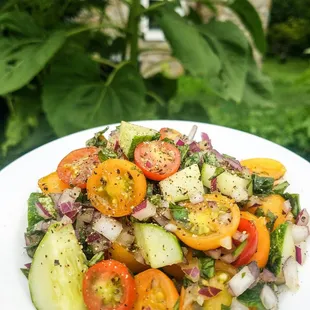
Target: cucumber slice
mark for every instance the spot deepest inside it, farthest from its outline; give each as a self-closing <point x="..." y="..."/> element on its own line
<point x="56" y="273"/>
<point x="182" y="185"/>
<point x="131" y="135"/>
<point x="159" y="247"/>
<point x="228" y="184"/>
<point x="281" y="248"/>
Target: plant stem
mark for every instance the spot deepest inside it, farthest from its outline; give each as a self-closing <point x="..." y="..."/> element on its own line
<point x="133" y="27"/>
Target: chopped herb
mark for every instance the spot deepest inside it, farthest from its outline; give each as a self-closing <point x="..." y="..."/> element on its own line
<point x="240" y="248"/>
<point x="177" y="305"/>
<point x="183" y="151"/>
<point x="197" y="253"/>
<point x="167" y="140"/>
<point x="262" y="185"/>
<point x="271" y="220"/>
<point x="96" y="258"/>
<point x="210" y="158"/>
<point x="187" y="282"/>
<point x="207" y="269"/>
<point x="217" y="172"/>
<point x="224" y="307"/>
<point x="294" y="201"/>
<point x="179" y="213"/>
<point x="25" y="271"/>
<point x="155" y="199"/>
<point x="259" y="212"/>
<point x="195" y="158"/>
<point x="105" y="154"/>
<point x="98" y="140"/>
<point x="243" y="275"/>
<point x="280" y="188"/>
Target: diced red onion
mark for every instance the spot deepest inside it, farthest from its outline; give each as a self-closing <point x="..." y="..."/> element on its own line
<point x="66" y="220"/>
<point x="241" y="281"/>
<point x="108" y="227"/>
<point x="125" y="238"/>
<point x="144" y="210"/>
<point x="42" y="212"/>
<point x="180" y="143"/>
<point x="192" y="133"/>
<point x="287" y="207"/>
<point x="193" y="273"/>
<point x="240" y="236"/>
<point x="218" y="155"/>
<point x="86" y="215"/>
<point x="138" y="257"/>
<point x="254" y="269"/>
<point x="291" y="274"/>
<point x="267" y="276"/>
<point x="93" y="237"/>
<point x="116" y="146"/>
<point x="148" y="164"/>
<point x="194" y="147"/>
<point x="213" y="186"/>
<point x="209" y="291"/>
<point x="55" y="198"/>
<point x="161" y="220"/>
<point x="213" y="205"/>
<point x="69" y="195"/>
<point x="28" y="265"/>
<point x="298" y="255"/>
<point x="253" y="201"/>
<point x="228" y="258"/>
<point x="225" y="218"/>
<point x="43" y="226"/>
<point x="233" y="163"/>
<point x="167" y="214"/>
<point x="171" y="227"/>
<point x="197" y="198"/>
<point x="205" y="137"/>
<point x="268" y="298"/>
<point x="300" y="233"/>
<point x="301" y="249"/>
<point x="302" y="218"/>
<point x="237" y="305"/>
<point x="226" y="242"/>
<point x="215" y="254"/>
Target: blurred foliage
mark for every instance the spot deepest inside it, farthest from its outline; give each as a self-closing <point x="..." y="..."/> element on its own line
<point x="59" y="73"/>
<point x="289" y="31"/>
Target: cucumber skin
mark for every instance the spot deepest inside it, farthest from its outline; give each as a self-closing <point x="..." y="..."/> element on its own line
<point x="73" y="286"/>
<point x="131" y="135"/>
<point x="140" y="234"/>
<point x="277" y="246"/>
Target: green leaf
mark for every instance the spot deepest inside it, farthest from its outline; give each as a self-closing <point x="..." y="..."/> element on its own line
<point x="280" y="188"/>
<point x="21" y="23"/>
<point x="294" y="201"/>
<point x="22" y="59"/>
<point x="25" y="109"/>
<point x="74" y="89"/>
<point x="179" y="213"/>
<point x="232" y="47"/>
<point x="106" y="154"/>
<point x="250" y="297"/>
<point x="188" y="45"/>
<point x="262" y="185"/>
<point x="207" y="269"/>
<point x="272" y="219"/>
<point x="224" y="307"/>
<point x="251" y="20"/>
<point x="96" y="258"/>
<point x="98" y="139"/>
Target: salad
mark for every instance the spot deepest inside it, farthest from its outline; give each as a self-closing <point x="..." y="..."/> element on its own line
<point x="154" y="220"/>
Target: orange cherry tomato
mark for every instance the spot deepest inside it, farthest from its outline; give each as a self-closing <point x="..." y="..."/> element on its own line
<point x="75" y="168"/>
<point x="213" y="229"/>
<point x="155" y="291"/>
<point x="263" y="246"/>
<point x="168" y="133"/>
<point x="251" y="244"/>
<point x="51" y="184"/>
<point x="109" y="285"/>
<point x="265" y="167"/>
<point x="116" y="186"/>
<point x="157" y="159"/>
<point x="122" y="255"/>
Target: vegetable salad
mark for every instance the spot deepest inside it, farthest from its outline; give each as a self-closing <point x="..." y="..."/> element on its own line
<point x="149" y="220"/>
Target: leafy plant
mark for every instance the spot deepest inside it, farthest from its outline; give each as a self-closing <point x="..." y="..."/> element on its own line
<point x="63" y="72"/>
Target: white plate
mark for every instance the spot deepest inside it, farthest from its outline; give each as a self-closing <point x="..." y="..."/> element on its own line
<point x="19" y="179"/>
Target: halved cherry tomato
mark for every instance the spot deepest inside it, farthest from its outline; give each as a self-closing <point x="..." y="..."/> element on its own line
<point x="116" y="186"/>
<point x="109" y="285"/>
<point x="75" y="168"/>
<point x="122" y="255"/>
<point x="265" y="167"/>
<point x="51" y="184"/>
<point x="208" y="230"/>
<point x="252" y="241"/>
<point x="168" y="133"/>
<point x="263" y="245"/>
<point x="155" y="291"/>
<point x="274" y="204"/>
<point x="157" y="159"/>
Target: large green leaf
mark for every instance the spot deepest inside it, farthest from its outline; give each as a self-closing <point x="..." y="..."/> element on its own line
<point x="22" y="59"/>
<point x="75" y="98"/>
<point x="188" y="45"/>
<point x="232" y="48"/>
<point x="251" y="20"/>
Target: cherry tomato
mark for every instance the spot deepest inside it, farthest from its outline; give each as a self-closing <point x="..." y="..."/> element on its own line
<point x="157" y="159"/>
<point x="168" y="133"/>
<point x="51" y="184"/>
<point x="155" y="291"/>
<point x="109" y="285"/>
<point x="252" y="242"/>
<point x="116" y="186"/>
<point x="77" y="166"/>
